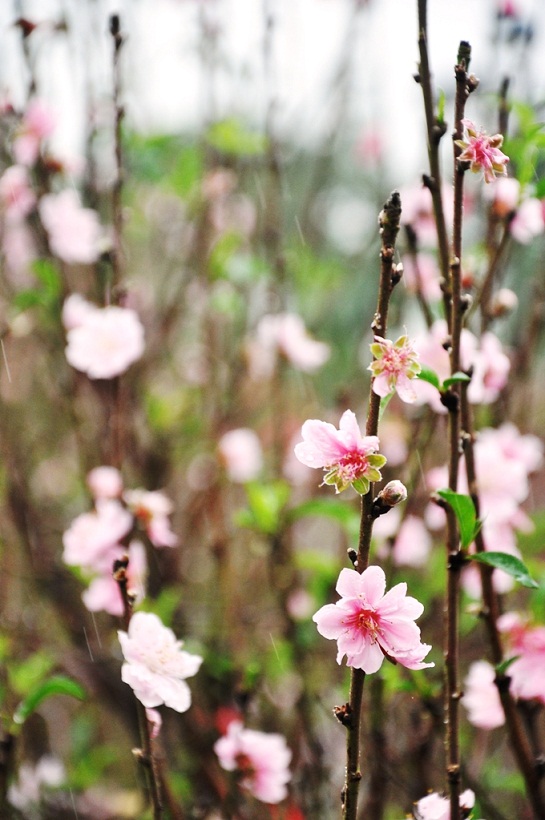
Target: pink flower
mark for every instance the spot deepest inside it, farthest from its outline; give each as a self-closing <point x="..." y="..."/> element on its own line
<point x="106" y="342"/>
<point x="368" y="624"/>
<point x="504" y="194"/>
<point x="285" y="334"/>
<point x="395" y="365"/>
<point x="261" y="760"/>
<point x="413" y="543"/>
<point x="76" y="310"/>
<point x="155" y="665"/>
<point x="422" y="275"/>
<point x="527" y="643"/>
<point x="105" y="482"/>
<point x="435" y="807"/>
<point x="92" y="536"/>
<point x="481" y="697"/>
<point x="528" y="221"/>
<point x="37" y="124"/>
<point x="74" y="232"/>
<point x="482" y="152"/>
<point x="103" y="593"/>
<point x="16" y="195"/>
<point x="152" y="509"/>
<point x="241" y="453"/>
<point x="348" y="457"/>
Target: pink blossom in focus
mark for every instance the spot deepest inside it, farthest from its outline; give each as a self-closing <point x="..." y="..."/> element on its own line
<point x="261" y="759"/>
<point x="155" y="665"/>
<point x="481" y="697"/>
<point x="92" y="536"/>
<point x="152" y="509"/>
<point x="348" y="457"/>
<point x="106" y="343"/>
<point x="37" y="124"/>
<point x="16" y="195"/>
<point x="285" y="334"/>
<point x="105" y="482"/>
<point x="103" y="593"/>
<point x="74" y="232"/>
<point x="435" y="807"/>
<point x="241" y="453"/>
<point x="482" y="152"/>
<point x="395" y="366"/>
<point x="422" y="275"/>
<point x="412" y="545"/>
<point x="368" y="624"/>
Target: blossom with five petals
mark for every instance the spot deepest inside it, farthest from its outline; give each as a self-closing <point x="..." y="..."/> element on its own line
<point x="348" y="457"/>
<point x="394" y="367"/>
<point x="369" y="624"/>
<point x="482" y="152"/>
<point x="155" y="665"/>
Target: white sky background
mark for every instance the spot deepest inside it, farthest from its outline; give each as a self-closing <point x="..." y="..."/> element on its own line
<point x="173" y="81"/>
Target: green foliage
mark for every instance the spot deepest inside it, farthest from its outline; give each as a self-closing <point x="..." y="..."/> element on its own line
<point x="56" y="685"/>
<point x="464" y="510"/>
<point x="508" y="563"/>
<point x="526" y="149"/>
<point x="231" y="137"/>
<point x="24" y="676"/>
<point x="266" y="502"/>
<point x="46" y="294"/>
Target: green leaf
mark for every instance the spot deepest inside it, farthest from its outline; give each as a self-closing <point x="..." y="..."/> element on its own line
<point x="507" y="563"/>
<point x="266" y="503"/>
<point x="455" y="378"/>
<point x="56" y="685"/>
<point x="502" y="668"/>
<point x="441" y="106"/>
<point x="464" y="510"/>
<point x="384" y="402"/>
<point x="430" y="376"/>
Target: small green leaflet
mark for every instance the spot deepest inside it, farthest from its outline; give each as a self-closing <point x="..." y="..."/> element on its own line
<point x="464" y="510"/>
<point x="56" y="685"/>
<point x="384" y="402"/>
<point x="508" y="563"/>
<point x="455" y="378"/>
<point x="430" y="376"/>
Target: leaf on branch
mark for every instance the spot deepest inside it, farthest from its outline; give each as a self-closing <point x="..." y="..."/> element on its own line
<point x="464" y="510"/>
<point x="455" y="378"/>
<point x="507" y="563"/>
<point x="56" y="685"/>
<point x="430" y="376"/>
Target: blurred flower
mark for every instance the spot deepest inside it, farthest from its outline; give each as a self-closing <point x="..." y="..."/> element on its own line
<point x="481" y="697"/>
<point x="417" y="211"/>
<point x="395" y="365"/>
<point x="285" y="334"/>
<point x="26" y="792"/>
<point x="103" y="593"/>
<point x="75" y="311"/>
<point x="504" y="301"/>
<point x="105" y="482"/>
<point x="152" y="509"/>
<point x="74" y="232"/>
<point x="261" y="761"/>
<point x="368" y="624"/>
<point x="348" y="457"/>
<point x="527" y="644"/>
<point x="106" y="342"/>
<point x="528" y="221"/>
<point x="412" y="544"/>
<point x="38" y="123"/>
<point x="241" y="453"/>
<point x="422" y="274"/>
<point x="435" y="807"/>
<point x="155" y="665"/>
<point x="89" y="540"/>
<point x="16" y="195"/>
<point x="482" y="152"/>
<point x="504" y="194"/>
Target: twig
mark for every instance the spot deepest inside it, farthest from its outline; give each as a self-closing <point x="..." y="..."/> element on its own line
<point x="350" y="715"/>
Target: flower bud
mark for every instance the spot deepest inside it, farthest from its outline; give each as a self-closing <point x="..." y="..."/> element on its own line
<point x="392" y="494"/>
<point x="503" y="302"/>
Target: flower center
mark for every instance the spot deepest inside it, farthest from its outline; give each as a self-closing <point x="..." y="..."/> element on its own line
<point x="366" y="621"/>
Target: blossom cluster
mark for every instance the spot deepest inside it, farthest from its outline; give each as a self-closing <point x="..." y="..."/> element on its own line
<point x="95" y="539"/>
<point x="284" y="335"/>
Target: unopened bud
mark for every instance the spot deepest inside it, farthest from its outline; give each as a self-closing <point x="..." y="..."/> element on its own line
<point x="392" y="494"/>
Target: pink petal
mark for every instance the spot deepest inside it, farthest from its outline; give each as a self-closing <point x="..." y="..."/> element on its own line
<point x="329" y="621"/>
<point x="369" y="659"/>
<point x="349" y="583"/>
<point x="381" y="385"/>
<point x="373" y="584"/>
<point x="323" y="446"/>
